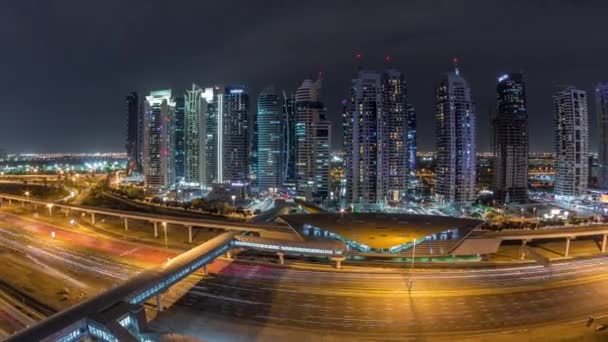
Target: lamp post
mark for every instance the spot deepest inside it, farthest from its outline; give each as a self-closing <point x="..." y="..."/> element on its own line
<point x="165" y="229"/>
<point x="233" y="197"/>
<point x="410" y="282"/>
<point x="50" y="206"/>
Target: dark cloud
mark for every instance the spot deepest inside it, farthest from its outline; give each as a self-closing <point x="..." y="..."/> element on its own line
<point x="66" y="66"/>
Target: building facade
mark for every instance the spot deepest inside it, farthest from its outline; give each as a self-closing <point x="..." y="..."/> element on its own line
<point x="195" y="127"/>
<point x="288" y="178"/>
<point x="159" y="112"/>
<point x="134" y="144"/>
<point x="269" y="145"/>
<point x="456" y="140"/>
<point x="178" y="142"/>
<point x="601" y="100"/>
<point x="376" y="139"/>
<point x="233" y="136"/>
<point x="411" y="139"/>
<point x="571" y="143"/>
<point x="510" y="125"/>
<point x="312" y="147"/>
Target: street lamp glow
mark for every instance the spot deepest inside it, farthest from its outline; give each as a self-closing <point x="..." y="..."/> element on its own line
<point x="233" y="198"/>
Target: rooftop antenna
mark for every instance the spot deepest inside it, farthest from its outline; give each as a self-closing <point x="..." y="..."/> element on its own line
<point x="358" y="57"/>
<point x="455" y="61"/>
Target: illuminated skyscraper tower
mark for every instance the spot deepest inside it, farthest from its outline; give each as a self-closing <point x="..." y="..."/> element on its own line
<point x="159" y="112"/>
<point x="195" y="123"/>
<point x="571" y="143"/>
<point x="510" y="181"/>
<point x="233" y="136"/>
<point x="601" y="97"/>
<point x="456" y="140"/>
<point x="269" y="140"/>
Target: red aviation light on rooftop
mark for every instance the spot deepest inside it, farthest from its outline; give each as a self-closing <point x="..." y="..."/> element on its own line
<point x="358" y="56"/>
<point x="388" y="58"/>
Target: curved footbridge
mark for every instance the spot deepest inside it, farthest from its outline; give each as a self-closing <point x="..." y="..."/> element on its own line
<point x="118" y="314"/>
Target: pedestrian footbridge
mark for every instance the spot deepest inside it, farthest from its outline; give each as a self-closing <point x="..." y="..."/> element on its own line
<point x="118" y="314"/>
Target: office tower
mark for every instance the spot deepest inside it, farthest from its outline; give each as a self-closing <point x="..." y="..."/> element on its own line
<point x="510" y="125"/>
<point x="159" y="112"/>
<point x="601" y="98"/>
<point x="177" y="136"/>
<point x="571" y="143"/>
<point x="269" y="140"/>
<point x="134" y="133"/>
<point x="288" y="178"/>
<point x="411" y="139"/>
<point x="376" y="138"/>
<point x="233" y="136"/>
<point x="312" y="141"/>
<point x="195" y="124"/>
<point x="395" y="116"/>
<point x="212" y="97"/>
<point x="456" y="140"/>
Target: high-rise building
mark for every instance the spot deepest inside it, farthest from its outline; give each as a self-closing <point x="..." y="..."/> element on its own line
<point x="411" y="139"/>
<point x="195" y="128"/>
<point x="233" y="136"/>
<point x="395" y="116"/>
<point x="571" y="143"/>
<point x="312" y="141"/>
<point x="134" y="146"/>
<point x="510" y="125"/>
<point x="269" y="130"/>
<point x="601" y="97"/>
<point x="365" y="141"/>
<point x="288" y="178"/>
<point x="213" y="98"/>
<point x="456" y="140"/>
<point x="178" y="143"/>
<point x="376" y="138"/>
<point x="159" y="112"/>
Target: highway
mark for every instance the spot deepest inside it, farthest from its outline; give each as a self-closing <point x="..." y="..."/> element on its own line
<point x="255" y="297"/>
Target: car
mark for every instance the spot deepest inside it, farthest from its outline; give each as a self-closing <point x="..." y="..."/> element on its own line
<point x="600" y="327"/>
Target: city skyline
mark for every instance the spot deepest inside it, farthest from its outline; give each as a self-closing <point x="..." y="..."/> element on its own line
<point x="78" y="126"/>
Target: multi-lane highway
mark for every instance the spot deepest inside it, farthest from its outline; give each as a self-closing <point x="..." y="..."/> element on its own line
<point x="261" y="297"/>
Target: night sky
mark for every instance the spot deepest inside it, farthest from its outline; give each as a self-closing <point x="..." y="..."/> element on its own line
<point x="66" y="66"/>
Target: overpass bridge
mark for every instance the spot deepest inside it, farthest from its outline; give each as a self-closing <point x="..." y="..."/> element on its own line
<point x="119" y="315"/>
<point x="267" y="230"/>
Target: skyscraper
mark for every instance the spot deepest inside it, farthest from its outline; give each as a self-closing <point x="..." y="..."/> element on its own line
<point x="376" y="138"/>
<point x="269" y="140"/>
<point x="159" y="111"/>
<point x="601" y="97"/>
<point x="510" y="126"/>
<point x="233" y="140"/>
<point x="312" y="141"/>
<point x="365" y="141"/>
<point x="134" y="146"/>
<point x="195" y="127"/>
<point x="411" y="139"/>
<point x="395" y="116"/>
<point x="456" y="140"/>
<point x="289" y="145"/>
<point x="177" y="136"/>
<point x="213" y="99"/>
<point x="571" y="143"/>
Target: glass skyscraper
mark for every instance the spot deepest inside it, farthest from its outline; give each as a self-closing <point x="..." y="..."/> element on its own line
<point x="178" y="140"/>
<point x="601" y="98"/>
<point x="510" y="182"/>
<point x="269" y="140"/>
<point x="233" y="136"/>
<point x="158" y="117"/>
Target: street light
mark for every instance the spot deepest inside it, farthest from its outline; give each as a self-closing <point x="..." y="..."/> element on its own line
<point x="50" y="206"/>
<point x="233" y="198"/>
<point x="410" y="281"/>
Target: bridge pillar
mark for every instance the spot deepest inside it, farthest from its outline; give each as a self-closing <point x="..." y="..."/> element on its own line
<point x="604" y="243"/>
<point x="567" y="252"/>
<point x="338" y="261"/>
<point x="189" y="234"/>
<point x="205" y="271"/>
<point x="10" y="201"/>
<point x="522" y="255"/>
<point x="126" y="224"/>
<point x="93" y="218"/>
<point x="228" y="255"/>
<point x="155" y="229"/>
<point x="281" y="258"/>
<point x="67" y="212"/>
<point x="159" y="304"/>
